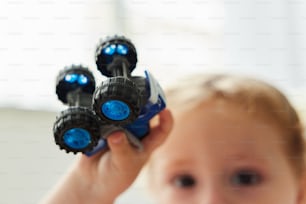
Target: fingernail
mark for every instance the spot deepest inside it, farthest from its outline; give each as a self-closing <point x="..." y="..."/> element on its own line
<point x="116" y="138"/>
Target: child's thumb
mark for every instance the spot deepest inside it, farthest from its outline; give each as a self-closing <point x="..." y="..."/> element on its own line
<point x="122" y="151"/>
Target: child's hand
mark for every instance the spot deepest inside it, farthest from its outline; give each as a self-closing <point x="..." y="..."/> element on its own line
<point x="102" y="177"/>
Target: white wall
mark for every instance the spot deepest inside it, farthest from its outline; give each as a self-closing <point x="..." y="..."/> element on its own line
<point x="30" y="161"/>
<point x="265" y="38"/>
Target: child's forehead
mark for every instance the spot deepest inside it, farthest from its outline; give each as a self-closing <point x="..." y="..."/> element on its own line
<point x="225" y="110"/>
<point x="226" y="128"/>
<point x="220" y="138"/>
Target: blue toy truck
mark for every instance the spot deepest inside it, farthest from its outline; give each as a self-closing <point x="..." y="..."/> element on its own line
<point x="122" y="102"/>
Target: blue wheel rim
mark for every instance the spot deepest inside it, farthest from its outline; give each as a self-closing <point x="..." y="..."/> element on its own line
<point x="122" y="49"/>
<point x="110" y="49"/>
<point x="71" y="78"/>
<point x="115" y="110"/>
<point x="77" y="138"/>
<point x="113" y="49"/>
<point x="82" y="79"/>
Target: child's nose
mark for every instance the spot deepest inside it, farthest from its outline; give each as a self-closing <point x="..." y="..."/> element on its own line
<point x="213" y="195"/>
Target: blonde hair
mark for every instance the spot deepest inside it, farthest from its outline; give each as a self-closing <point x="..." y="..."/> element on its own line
<point x="255" y="97"/>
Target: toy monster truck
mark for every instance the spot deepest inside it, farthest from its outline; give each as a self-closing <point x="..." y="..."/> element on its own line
<point x="122" y="102"/>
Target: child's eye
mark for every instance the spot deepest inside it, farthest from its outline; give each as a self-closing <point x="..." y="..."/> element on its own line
<point x="184" y="181"/>
<point x="245" y="178"/>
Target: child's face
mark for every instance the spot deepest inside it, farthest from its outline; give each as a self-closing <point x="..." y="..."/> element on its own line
<point x="216" y="154"/>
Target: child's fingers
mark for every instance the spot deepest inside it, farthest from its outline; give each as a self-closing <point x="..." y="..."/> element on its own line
<point x="159" y="133"/>
<point x="89" y="161"/>
<point x="96" y="157"/>
<point x="122" y="153"/>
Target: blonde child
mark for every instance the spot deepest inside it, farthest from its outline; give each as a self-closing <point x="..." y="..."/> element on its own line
<point x="235" y="141"/>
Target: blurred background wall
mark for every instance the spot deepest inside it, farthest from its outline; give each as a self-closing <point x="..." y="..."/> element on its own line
<point x="261" y="38"/>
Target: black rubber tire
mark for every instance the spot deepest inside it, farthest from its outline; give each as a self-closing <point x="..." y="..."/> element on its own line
<point x="76" y="117"/>
<point x="122" y="89"/>
<point x="63" y="88"/>
<point x="103" y="60"/>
